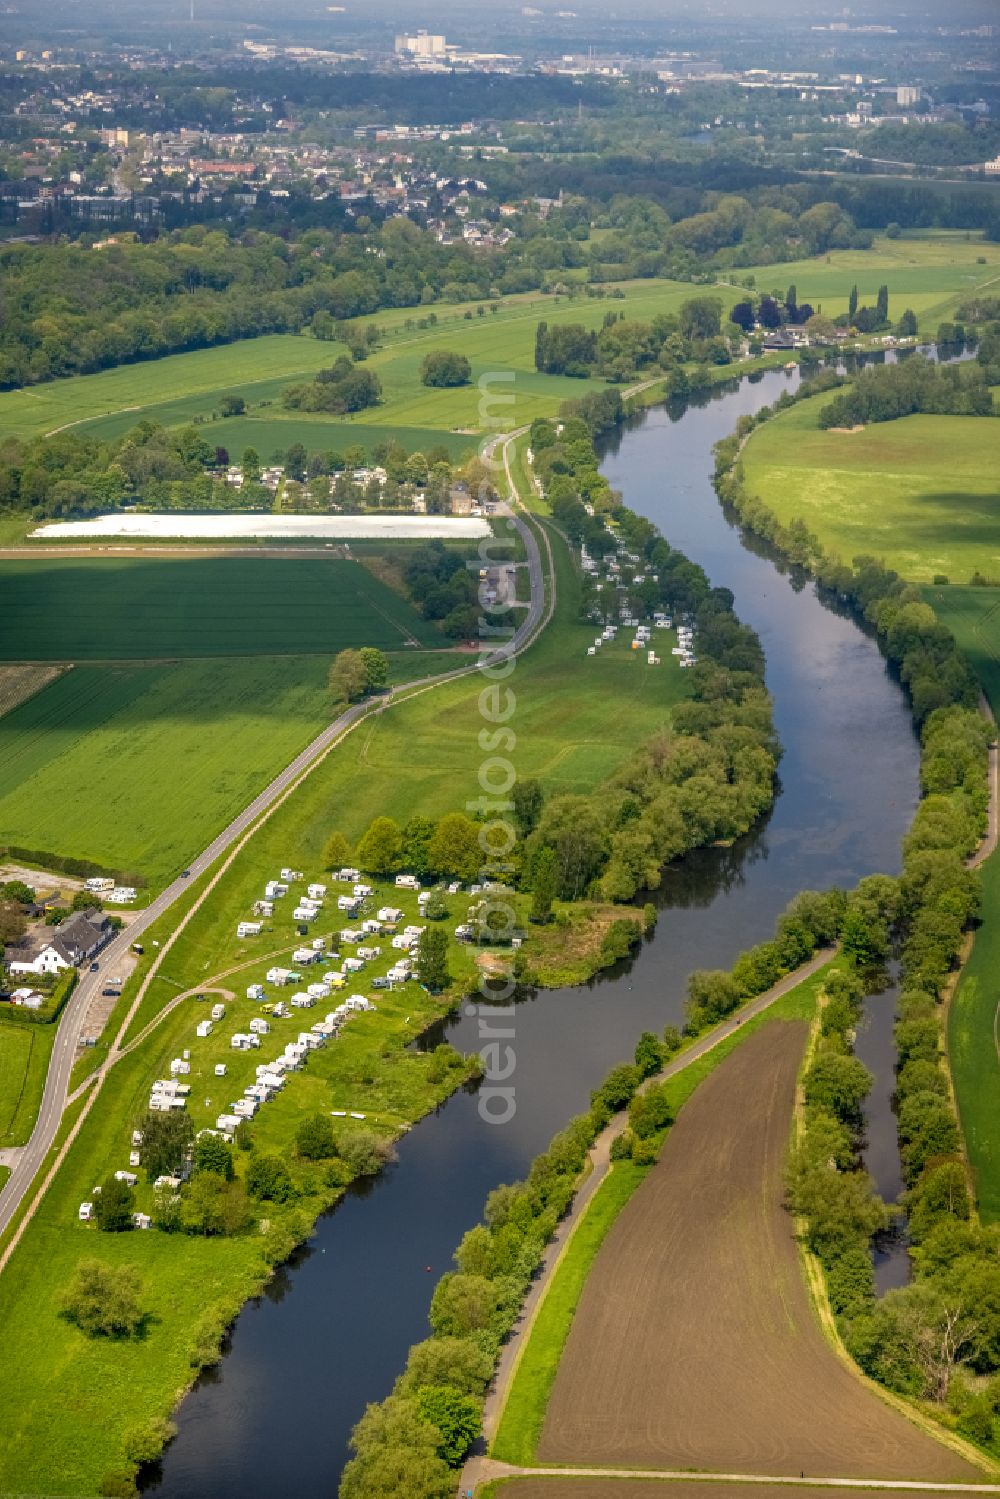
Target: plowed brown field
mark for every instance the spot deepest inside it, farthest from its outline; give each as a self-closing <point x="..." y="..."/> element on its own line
<point x="695" y="1344"/>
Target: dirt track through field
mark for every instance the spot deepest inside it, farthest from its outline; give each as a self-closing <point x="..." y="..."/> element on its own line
<point x="695" y="1344"/>
<point x="641" y="1488"/>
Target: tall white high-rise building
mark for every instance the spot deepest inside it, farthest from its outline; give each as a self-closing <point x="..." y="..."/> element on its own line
<point x="424" y="44"/>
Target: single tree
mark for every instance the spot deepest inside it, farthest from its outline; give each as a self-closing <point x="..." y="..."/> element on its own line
<point x="432" y="958"/>
<point x="454" y="848"/>
<point x="456" y="1416"/>
<point x="348" y="677"/>
<point x="528" y="798"/>
<point x="445" y="368"/>
<point x="166" y="1141"/>
<point x="544" y="882"/>
<point x="337" y="852"/>
<point x="852" y="303"/>
<point x="114" y="1205"/>
<point x="213" y="1154"/>
<point x="268" y="1178"/>
<point x="380" y="850"/>
<point x="104" y="1300"/>
<point x="314" y="1138"/>
<point x="377" y="667"/>
<point x="648" y="1054"/>
<point x="251" y="464"/>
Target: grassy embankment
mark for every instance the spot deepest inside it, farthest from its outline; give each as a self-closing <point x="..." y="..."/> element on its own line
<point x="520" y="1423"/>
<point x="919" y="492"/>
<point x="24" y="1061"/>
<point x="973" y="616"/>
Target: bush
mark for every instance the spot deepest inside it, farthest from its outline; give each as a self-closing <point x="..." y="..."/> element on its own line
<point x="314" y="1138"/>
<point x="364" y="1153"/>
<point x="445" y="368"/>
<point x="104" y="1300"/>
<point x="267" y="1178"/>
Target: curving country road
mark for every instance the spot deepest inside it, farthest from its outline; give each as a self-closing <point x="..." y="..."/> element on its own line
<point x="26" y="1162"/>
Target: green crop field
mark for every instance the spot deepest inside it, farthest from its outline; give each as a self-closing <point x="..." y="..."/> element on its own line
<point x="146" y="608"/>
<point x="920" y="492"/>
<point x="137" y="767"/>
<point x="930" y="272"/>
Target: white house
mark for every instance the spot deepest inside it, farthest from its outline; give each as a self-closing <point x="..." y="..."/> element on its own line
<point x="86" y="1213"/>
<point x="77" y="940"/>
<point x="203" y="1028"/>
<point x="279" y="976"/>
<point x="316" y="892"/>
<point x="249" y="928"/>
<point x="390" y="914"/>
<point x="255" y="991"/>
<point x="220" y="1069"/>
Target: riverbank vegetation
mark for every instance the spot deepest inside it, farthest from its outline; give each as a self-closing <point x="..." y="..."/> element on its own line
<point x="928" y="1340"/>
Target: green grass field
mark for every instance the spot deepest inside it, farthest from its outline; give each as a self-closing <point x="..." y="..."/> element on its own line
<point x="24" y="1061"/>
<point x="180" y="387"/>
<point x="929" y="271"/>
<point x="138" y="767"/>
<point x="920" y="492"/>
<point x="147" y="608"/>
<point x="523" y="1414"/>
<point x="974" y="1048"/>
<point x="973" y="617"/>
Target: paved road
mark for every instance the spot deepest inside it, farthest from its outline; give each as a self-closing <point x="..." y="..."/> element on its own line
<point x="26" y="1162"/>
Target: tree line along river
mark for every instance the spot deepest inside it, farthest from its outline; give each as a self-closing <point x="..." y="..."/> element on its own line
<point x="333" y="1328"/>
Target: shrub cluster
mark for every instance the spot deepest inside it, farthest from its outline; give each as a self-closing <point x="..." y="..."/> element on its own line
<point x="341" y="388"/>
<point x="827" y="1185"/>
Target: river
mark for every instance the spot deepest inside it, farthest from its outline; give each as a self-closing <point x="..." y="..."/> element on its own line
<point x="333" y="1329"/>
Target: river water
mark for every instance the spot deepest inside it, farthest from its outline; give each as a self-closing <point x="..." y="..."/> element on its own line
<point x="333" y="1329"/>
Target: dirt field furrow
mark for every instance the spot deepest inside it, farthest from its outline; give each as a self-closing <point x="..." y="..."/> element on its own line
<point x="695" y="1344"/>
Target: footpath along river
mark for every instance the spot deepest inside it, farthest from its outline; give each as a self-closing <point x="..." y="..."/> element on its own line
<point x="333" y="1329"/>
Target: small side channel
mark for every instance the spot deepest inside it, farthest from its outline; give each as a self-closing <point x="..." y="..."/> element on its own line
<point x="876" y="1047"/>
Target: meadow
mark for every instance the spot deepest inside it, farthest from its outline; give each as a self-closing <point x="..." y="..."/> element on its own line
<point x="24" y="1061"/>
<point x="930" y="271"/>
<point x="176" y="389"/>
<point x="135" y="768"/>
<point x="973" y="616"/>
<point x="974" y="1048"/>
<point x="919" y="492"/>
<point x="114" y="608"/>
